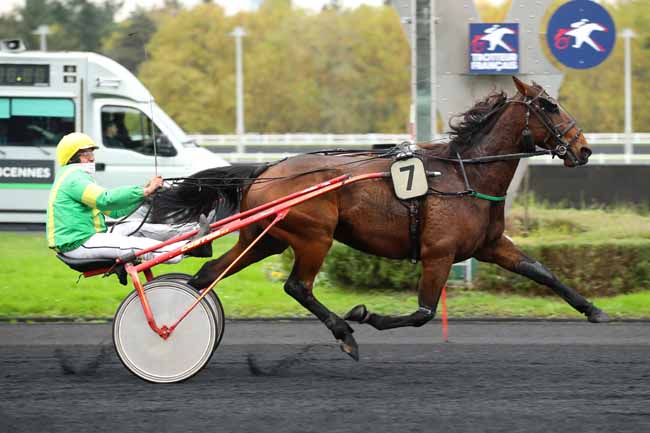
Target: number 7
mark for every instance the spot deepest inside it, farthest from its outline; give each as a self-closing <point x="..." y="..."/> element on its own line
<point x="411" y="170"/>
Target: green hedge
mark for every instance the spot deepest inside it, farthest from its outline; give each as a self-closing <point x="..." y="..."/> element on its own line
<point x="347" y="267"/>
<point x="351" y="268"/>
<point x="594" y="269"/>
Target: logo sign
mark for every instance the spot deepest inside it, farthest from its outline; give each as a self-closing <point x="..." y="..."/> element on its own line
<point x="26" y="171"/>
<point x="494" y="48"/>
<point x="581" y="34"/>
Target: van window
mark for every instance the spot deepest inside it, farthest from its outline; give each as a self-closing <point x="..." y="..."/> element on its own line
<point x="35" y="121"/>
<point x="129" y="128"/>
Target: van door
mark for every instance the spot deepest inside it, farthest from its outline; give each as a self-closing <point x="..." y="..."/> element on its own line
<point x="126" y="155"/>
<point x="30" y="129"/>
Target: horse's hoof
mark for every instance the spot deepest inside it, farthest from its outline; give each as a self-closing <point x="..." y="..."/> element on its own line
<point x="349" y="346"/>
<point x="598" y="316"/>
<point x="357" y="314"/>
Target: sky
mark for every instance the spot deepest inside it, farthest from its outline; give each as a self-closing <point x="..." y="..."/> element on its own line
<point x="231" y="6"/>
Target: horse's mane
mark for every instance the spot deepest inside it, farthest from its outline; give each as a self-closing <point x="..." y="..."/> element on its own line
<point x="469" y="127"/>
<point x="217" y="189"/>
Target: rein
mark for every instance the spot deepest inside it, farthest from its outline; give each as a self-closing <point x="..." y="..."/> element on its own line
<point x="377" y="154"/>
<point x="215" y="184"/>
<point x="491" y="158"/>
<point x="562" y="150"/>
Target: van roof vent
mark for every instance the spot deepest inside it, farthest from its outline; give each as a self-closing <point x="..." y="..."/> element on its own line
<point x="112" y="83"/>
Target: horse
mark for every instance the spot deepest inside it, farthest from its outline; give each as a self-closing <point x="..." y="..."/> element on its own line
<point x="461" y="215"/>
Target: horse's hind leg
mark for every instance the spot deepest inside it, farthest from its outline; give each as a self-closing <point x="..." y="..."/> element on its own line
<point x="309" y="256"/>
<point x="434" y="275"/>
<point x="211" y="270"/>
<point x="505" y="254"/>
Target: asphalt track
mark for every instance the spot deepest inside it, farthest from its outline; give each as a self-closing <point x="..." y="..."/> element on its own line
<point x="291" y="377"/>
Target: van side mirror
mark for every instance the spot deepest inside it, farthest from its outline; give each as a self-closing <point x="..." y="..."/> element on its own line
<point x="164" y="146"/>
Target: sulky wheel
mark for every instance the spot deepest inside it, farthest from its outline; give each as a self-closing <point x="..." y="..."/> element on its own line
<point x="212" y="299"/>
<point x="187" y="350"/>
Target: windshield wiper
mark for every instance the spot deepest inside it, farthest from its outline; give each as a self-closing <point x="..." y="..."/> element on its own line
<point x="190" y="141"/>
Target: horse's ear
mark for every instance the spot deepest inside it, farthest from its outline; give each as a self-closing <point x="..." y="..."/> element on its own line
<point x="521" y="86"/>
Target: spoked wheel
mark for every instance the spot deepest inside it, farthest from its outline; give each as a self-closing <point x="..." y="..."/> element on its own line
<point x="187" y="350"/>
<point x="212" y="299"/>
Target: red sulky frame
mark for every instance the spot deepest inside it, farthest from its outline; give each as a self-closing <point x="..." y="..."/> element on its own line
<point x="278" y="208"/>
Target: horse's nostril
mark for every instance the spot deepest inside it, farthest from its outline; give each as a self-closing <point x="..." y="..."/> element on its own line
<point x="585" y="152"/>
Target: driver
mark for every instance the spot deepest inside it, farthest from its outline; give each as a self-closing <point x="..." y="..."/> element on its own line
<point x="109" y="137"/>
<point x="77" y="205"/>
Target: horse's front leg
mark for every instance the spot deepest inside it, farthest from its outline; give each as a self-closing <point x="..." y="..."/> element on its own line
<point x="434" y="275"/>
<point x="505" y="254"/>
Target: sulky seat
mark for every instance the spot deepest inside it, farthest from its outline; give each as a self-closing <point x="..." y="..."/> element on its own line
<point x="85" y="265"/>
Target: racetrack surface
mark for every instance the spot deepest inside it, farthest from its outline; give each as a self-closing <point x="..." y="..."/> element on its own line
<point x="291" y="377"/>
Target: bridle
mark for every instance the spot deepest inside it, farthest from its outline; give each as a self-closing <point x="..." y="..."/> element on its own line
<point x="542" y="106"/>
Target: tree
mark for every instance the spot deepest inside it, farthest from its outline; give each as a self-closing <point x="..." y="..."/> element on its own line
<point x="191" y="69"/>
<point x="22" y="21"/>
<point x="9" y="26"/>
<point x="492" y="13"/>
<point x="82" y="24"/>
<point x="335" y="71"/>
<point x="75" y="24"/>
<point x="126" y="44"/>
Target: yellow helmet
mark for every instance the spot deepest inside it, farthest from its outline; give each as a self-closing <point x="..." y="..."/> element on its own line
<point x="71" y="144"/>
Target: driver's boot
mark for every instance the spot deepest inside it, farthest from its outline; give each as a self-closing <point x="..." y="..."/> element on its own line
<point x="204" y="250"/>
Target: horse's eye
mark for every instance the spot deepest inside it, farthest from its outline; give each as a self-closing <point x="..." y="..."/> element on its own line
<point x="549" y="106"/>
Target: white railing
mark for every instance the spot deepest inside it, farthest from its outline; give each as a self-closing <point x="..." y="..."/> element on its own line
<point x="274" y="140"/>
<point x="268" y="147"/>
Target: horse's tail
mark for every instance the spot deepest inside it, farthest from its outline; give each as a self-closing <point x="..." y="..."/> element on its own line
<point x="217" y="189"/>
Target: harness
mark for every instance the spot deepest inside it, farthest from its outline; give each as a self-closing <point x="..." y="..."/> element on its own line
<point x="539" y="106"/>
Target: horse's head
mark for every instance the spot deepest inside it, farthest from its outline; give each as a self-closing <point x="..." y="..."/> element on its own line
<point x="551" y="127"/>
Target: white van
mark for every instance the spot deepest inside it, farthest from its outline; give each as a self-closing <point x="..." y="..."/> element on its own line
<point x="45" y="95"/>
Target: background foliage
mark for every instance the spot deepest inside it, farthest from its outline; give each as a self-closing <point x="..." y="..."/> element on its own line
<point x="600" y="253"/>
<point x="336" y="70"/>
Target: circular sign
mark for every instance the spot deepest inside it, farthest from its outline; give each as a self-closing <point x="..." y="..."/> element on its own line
<point x="581" y="34"/>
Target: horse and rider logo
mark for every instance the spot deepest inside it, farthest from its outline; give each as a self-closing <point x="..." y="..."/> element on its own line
<point x="581" y="34"/>
<point x="494" y="48"/>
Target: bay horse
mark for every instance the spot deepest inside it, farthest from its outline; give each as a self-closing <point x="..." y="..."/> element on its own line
<point x="457" y="219"/>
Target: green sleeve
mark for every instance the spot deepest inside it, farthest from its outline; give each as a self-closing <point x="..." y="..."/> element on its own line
<point x="119" y="213"/>
<point x="117" y="200"/>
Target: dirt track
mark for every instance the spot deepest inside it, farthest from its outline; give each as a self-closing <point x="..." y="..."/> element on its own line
<point x="291" y="377"/>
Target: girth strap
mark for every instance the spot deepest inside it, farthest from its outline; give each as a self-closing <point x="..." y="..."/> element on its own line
<point x="414" y="228"/>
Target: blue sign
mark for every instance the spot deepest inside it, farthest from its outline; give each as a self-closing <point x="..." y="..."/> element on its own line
<point x="581" y="34"/>
<point x="494" y="48"/>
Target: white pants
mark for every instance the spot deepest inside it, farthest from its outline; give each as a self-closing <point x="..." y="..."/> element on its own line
<point x="119" y="241"/>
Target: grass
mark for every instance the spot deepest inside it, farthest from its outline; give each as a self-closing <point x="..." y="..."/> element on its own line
<point x="587" y="225"/>
<point x="33" y="283"/>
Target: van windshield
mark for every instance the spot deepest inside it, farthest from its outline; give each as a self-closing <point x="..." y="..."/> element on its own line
<point x="173" y="129"/>
<point x="129" y="128"/>
<point x="38" y="122"/>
